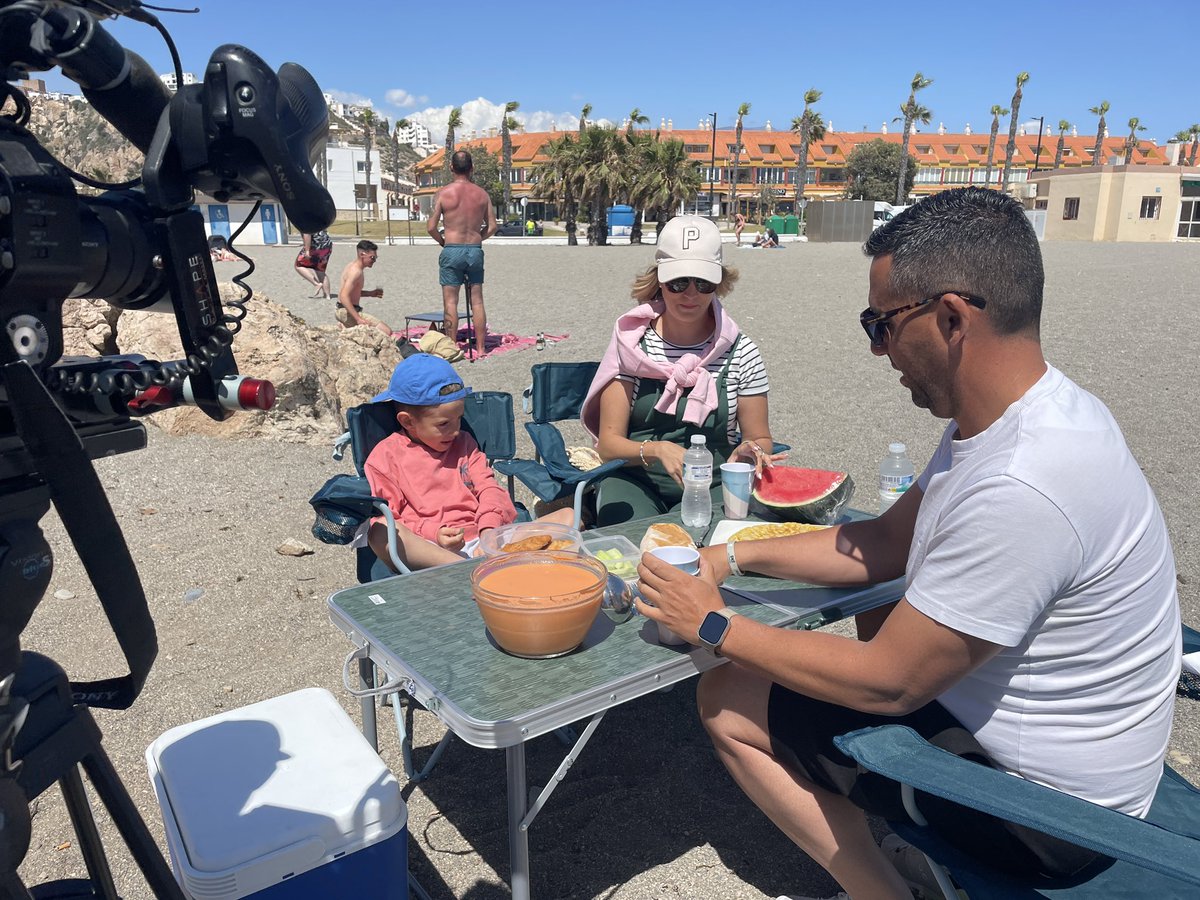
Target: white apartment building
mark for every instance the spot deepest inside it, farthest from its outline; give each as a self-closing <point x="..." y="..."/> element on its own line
<point x="172" y="85"/>
<point x="418" y="136"/>
<point x="346" y="180"/>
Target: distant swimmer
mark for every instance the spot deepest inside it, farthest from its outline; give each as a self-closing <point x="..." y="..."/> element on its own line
<point x="468" y="219"/>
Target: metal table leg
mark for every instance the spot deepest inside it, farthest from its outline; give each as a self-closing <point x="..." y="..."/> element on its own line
<point x="518" y="835"/>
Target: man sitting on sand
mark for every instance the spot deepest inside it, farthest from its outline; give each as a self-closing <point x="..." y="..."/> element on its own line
<point x="466" y="213"/>
<point x="349" y="309"/>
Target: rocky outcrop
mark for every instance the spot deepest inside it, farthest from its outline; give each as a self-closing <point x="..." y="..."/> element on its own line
<point x="83" y="139"/>
<point x="318" y="372"/>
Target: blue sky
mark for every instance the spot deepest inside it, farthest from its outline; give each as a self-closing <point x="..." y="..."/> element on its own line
<point x="684" y="61"/>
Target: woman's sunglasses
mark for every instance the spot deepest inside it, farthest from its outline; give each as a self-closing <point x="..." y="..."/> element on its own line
<point x="679" y="285"/>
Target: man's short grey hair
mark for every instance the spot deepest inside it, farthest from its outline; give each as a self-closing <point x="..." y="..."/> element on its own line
<point x="973" y="240"/>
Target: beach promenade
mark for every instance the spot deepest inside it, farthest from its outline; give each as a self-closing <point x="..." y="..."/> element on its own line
<point x="646" y="811"/>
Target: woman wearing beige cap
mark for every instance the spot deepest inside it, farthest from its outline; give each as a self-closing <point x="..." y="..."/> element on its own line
<point x="677" y="365"/>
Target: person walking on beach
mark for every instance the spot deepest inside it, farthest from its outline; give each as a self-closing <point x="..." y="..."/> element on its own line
<point x="313" y="260"/>
<point x="739" y="222"/>
<point x="465" y="212"/>
<point x="349" y="309"/>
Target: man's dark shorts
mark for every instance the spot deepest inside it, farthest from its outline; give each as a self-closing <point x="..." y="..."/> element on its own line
<point x="802" y="731"/>
<point x="460" y="262"/>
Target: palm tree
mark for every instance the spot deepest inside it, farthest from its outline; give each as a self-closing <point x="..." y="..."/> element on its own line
<point x="743" y="111"/>
<point x="400" y="123"/>
<point x="587" y="111"/>
<point x="1063" y="127"/>
<point x="454" y="121"/>
<point x="558" y="179"/>
<point x="641" y="145"/>
<point x="1010" y="149"/>
<point x="912" y="112"/>
<point x="636" y="118"/>
<point x="668" y="178"/>
<point x="810" y="127"/>
<point x="997" y="112"/>
<point x="368" y="126"/>
<point x="1098" y="150"/>
<point x="1131" y="142"/>
<point x="603" y="161"/>
<point x="507" y="122"/>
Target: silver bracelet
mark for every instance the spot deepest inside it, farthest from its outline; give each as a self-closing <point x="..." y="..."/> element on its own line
<point x="734" y="569"/>
<point x="642" y="453"/>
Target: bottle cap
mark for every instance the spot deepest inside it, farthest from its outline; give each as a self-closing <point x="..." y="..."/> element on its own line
<point x="896" y="447"/>
<point x="699" y="440"/>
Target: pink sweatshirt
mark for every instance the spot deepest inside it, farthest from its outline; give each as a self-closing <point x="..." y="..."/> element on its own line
<point x="426" y="489"/>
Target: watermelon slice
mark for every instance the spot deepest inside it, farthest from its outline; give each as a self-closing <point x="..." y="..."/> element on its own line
<point x="792" y="494"/>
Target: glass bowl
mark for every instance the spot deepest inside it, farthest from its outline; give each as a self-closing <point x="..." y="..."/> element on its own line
<point x="541" y="603"/>
<point x="493" y="541"/>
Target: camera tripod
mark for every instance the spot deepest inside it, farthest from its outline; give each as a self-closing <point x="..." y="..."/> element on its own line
<point x="45" y="737"/>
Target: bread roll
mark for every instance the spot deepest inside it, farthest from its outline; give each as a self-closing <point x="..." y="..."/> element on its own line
<point x="665" y="534"/>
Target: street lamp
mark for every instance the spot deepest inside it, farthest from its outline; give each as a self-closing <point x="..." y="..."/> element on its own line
<point x="1037" y="155"/>
<point x="712" y="168"/>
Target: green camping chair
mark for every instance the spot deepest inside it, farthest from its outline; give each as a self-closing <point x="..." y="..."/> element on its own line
<point x="556" y="394"/>
<point x="345" y="501"/>
<point x="1158" y="856"/>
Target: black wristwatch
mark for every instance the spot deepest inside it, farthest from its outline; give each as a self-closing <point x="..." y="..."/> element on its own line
<point x="715" y="627"/>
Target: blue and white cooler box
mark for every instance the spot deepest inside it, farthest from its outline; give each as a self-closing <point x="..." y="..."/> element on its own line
<point x="280" y="800"/>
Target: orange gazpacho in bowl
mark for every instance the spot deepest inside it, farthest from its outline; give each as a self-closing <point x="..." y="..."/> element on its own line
<point x="539" y="604"/>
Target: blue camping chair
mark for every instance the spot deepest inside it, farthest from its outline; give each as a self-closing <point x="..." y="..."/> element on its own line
<point x="556" y="395"/>
<point x="345" y="501"/>
<point x="1158" y="856"/>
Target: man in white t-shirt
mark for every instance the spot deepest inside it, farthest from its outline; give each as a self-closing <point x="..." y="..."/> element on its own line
<point x="1039" y="631"/>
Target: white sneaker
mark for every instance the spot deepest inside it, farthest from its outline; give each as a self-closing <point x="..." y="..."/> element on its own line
<point x="840" y="895"/>
<point x="913" y="867"/>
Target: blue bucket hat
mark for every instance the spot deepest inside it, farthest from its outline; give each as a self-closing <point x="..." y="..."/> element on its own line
<point x="423" y="380"/>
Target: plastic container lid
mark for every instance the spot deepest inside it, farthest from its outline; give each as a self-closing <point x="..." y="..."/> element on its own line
<point x="897" y="447"/>
<point x="699" y="439"/>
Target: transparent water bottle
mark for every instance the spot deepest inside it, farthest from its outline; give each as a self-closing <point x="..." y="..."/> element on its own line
<point x="697" y="479"/>
<point x="895" y="476"/>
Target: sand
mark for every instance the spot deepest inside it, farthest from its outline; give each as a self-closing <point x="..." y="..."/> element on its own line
<point x="646" y="811"/>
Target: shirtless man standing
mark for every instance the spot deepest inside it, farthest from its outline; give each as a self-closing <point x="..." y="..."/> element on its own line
<point x="349" y="309"/>
<point x="466" y="212"/>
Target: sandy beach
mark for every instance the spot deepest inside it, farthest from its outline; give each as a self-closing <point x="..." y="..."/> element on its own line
<point x="646" y="811"/>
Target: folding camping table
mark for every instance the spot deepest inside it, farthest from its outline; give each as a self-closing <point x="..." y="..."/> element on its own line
<point x="426" y="634"/>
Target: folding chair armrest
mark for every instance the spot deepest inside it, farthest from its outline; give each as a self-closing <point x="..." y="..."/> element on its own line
<point x="602" y="471"/>
<point x="899" y="753"/>
<point x="340" y="445"/>
<point x="393" y="550"/>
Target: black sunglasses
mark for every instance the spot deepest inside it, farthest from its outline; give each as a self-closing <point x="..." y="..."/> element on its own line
<point x="876" y="324"/>
<point x="679" y="285"/>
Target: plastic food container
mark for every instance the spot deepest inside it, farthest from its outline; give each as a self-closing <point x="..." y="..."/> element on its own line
<point x="619" y="554"/>
<point x="566" y="539"/>
<point x="541" y="603"/>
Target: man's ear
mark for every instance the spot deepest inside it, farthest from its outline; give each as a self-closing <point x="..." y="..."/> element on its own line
<point x="954" y="317"/>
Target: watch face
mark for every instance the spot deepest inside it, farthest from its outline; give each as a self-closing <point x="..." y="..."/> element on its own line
<point x="713" y="628"/>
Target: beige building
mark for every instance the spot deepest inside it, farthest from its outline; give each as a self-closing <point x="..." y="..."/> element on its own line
<point x="1119" y="203"/>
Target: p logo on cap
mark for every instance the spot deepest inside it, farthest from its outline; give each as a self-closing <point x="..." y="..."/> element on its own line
<point x="690" y="246"/>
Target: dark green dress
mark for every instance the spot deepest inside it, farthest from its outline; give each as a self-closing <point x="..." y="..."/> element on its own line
<point x="636" y="493"/>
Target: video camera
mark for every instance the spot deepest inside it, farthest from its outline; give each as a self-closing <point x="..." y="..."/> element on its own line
<point x="246" y="133"/>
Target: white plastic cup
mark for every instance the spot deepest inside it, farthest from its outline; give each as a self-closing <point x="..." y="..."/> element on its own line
<point x="736" y="478"/>
<point x="687" y="560"/>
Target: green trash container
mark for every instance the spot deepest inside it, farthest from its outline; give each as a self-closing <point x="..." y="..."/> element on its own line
<point x="776" y="222"/>
<point x="791" y="225"/>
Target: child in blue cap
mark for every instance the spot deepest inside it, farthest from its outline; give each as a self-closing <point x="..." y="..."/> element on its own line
<point x="432" y="474"/>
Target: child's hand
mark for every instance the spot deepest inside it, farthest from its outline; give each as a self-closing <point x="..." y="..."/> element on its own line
<point x="451" y="538"/>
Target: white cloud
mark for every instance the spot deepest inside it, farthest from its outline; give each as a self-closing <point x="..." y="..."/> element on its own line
<point x="350" y="98"/>
<point x="481" y="114"/>
<point x="403" y="99"/>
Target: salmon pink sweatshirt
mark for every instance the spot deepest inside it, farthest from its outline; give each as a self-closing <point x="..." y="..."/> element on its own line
<point x="427" y="489"/>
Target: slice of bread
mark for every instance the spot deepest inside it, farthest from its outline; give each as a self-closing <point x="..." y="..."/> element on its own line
<point x="665" y="534"/>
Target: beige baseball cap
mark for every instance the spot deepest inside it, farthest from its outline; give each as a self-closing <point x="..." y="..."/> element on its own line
<point x="689" y="246"/>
